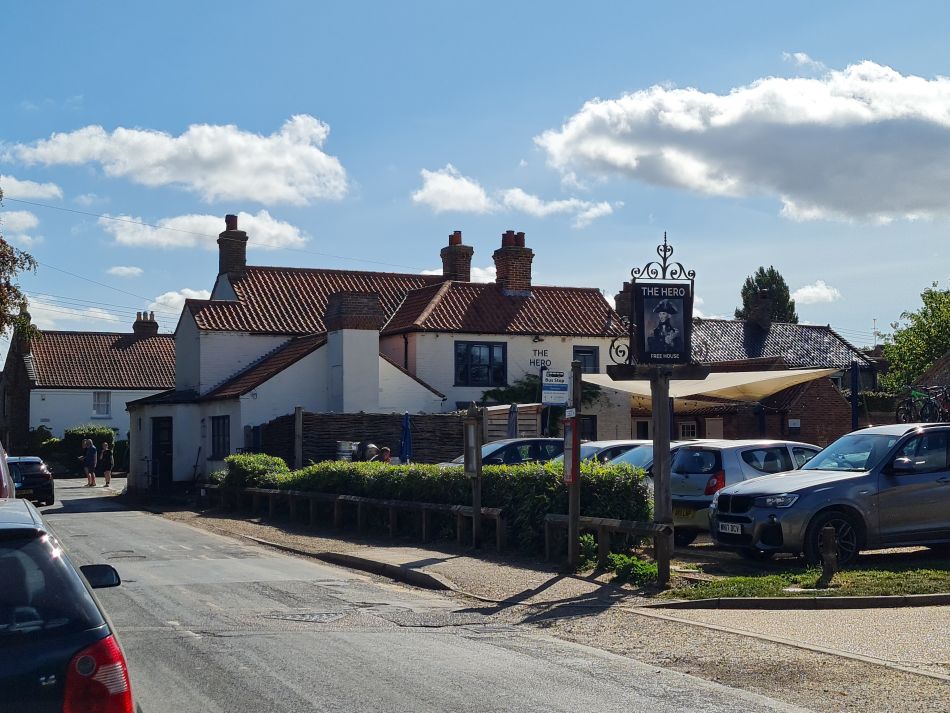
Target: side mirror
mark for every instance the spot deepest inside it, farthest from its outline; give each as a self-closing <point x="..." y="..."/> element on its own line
<point x="101" y="576"/>
<point x="903" y="465"/>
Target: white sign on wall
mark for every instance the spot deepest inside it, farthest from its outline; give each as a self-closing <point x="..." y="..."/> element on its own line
<point x="554" y="388"/>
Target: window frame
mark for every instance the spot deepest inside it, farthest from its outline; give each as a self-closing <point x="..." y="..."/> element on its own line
<point x="491" y="366"/>
<point x="787" y="463"/>
<point x="97" y="402"/>
<point x="692" y="425"/>
<point x="594" y="350"/>
<point x="220" y="439"/>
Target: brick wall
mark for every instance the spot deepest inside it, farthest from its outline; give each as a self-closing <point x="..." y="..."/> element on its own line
<point x="435" y="437"/>
<point x="513" y="263"/>
<point x="16" y="390"/>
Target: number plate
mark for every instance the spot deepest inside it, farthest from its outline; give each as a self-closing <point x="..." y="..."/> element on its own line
<point x="730" y="527"/>
<point x="682" y="512"/>
<point x="24" y="491"/>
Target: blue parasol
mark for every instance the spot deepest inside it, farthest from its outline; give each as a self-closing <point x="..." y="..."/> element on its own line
<point x="513" y="421"/>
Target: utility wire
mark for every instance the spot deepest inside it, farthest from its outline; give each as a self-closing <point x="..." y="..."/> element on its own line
<point x="206" y="235"/>
<point x="93" y="303"/>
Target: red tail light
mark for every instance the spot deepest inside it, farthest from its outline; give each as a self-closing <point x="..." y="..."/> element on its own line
<point x="715" y="482"/>
<point x="97" y="680"/>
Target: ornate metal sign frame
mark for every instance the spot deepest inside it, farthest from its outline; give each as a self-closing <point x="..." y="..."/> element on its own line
<point x="626" y="349"/>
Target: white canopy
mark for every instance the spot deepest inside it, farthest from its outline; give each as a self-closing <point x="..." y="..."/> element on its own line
<point x="730" y="385"/>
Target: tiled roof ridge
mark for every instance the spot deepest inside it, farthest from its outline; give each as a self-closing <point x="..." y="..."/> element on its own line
<point x="99" y="334"/>
<point x="433" y="303"/>
<point x="412" y="376"/>
<point x="344" y="271"/>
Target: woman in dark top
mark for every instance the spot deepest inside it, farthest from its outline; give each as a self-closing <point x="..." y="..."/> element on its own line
<point x="105" y="464"/>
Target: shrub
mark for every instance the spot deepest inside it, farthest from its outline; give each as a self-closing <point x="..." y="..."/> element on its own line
<point x="73" y="438"/>
<point x="628" y="568"/>
<point x="587" y="548"/>
<point x="254" y="470"/>
<point x="526" y="492"/>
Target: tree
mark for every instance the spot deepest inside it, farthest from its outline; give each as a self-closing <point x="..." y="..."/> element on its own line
<point x="12" y="300"/>
<point x="919" y="342"/>
<point x="769" y="281"/>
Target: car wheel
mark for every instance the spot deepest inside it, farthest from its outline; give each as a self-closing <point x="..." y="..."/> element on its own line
<point x="905" y="413"/>
<point x="847" y="532"/>
<point x="754" y="555"/>
<point x="684" y="538"/>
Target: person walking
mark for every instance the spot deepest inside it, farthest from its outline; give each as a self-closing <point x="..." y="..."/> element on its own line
<point x="105" y="464"/>
<point x="89" y="462"/>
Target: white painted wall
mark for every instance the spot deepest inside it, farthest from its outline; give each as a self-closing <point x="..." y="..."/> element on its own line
<point x="186" y="438"/>
<point x="303" y="383"/>
<point x="435" y="359"/>
<point x="224" y="407"/>
<point x="352" y="362"/>
<point x="399" y="392"/>
<point x="187" y="353"/>
<point x="224" y="354"/>
<point x="59" y="409"/>
<point x="612" y="409"/>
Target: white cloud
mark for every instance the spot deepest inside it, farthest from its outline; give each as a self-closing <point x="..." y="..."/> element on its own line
<point x="863" y="143"/>
<point x="478" y="274"/>
<point x="218" y="162"/>
<point x="263" y="231"/>
<point x="26" y="190"/>
<point x="448" y="190"/>
<point x="125" y="271"/>
<point x="584" y="212"/>
<point x="813" y="294"/>
<point x="89" y="199"/>
<point x="46" y="315"/>
<point x="18" y="220"/>
<point x="174" y="301"/>
<point x="800" y="59"/>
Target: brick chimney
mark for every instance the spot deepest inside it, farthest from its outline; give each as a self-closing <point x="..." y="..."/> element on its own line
<point x="760" y="311"/>
<point x="232" y="247"/>
<point x="457" y="259"/>
<point x="144" y="325"/>
<point x="513" y="264"/>
<point x="623" y="301"/>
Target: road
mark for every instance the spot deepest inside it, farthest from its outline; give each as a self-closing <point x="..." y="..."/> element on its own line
<point x="215" y="625"/>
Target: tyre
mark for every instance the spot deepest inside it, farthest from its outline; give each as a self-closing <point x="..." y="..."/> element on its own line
<point x="684" y="538"/>
<point x="905" y="413"/>
<point x="929" y="412"/>
<point x="848" y="531"/>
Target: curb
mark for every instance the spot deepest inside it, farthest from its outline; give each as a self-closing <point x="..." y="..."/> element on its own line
<point x="795" y="603"/>
<point x="407" y="575"/>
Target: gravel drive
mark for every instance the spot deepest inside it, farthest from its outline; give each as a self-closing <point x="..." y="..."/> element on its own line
<point x="590" y="613"/>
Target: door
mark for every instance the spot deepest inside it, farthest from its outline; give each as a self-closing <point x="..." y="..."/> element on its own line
<point x="915" y="505"/>
<point x="162" y="453"/>
<point x="714" y="427"/>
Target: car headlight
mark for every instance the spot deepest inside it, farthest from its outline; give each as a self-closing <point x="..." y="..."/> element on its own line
<point x="715" y="501"/>
<point x="786" y="500"/>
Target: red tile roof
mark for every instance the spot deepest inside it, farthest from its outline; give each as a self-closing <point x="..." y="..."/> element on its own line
<point x="284" y="300"/>
<point x="103" y="360"/>
<point x="484" y="308"/>
<point x="267" y="367"/>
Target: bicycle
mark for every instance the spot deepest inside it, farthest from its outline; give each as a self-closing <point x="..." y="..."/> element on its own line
<point x="928" y="404"/>
<point x="910" y="408"/>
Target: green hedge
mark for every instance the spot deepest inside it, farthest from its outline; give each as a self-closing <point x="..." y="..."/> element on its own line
<point x="73" y="437"/>
<point x="526" y="492"/>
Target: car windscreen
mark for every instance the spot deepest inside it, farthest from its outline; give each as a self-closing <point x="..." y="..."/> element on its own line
<point x="28" y="468"/>
<point x="638" y="456"/>
<point x="854" y="452"/>
<point x="41" y="594"/>
<point x="487" y="450"/>
<point x="587" y="452"/>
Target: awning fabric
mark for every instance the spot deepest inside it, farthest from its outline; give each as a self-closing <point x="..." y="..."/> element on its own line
<point x="731" y="385"/>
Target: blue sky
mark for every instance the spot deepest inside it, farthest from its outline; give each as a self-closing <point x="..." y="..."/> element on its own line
<point x="809" y="136"/>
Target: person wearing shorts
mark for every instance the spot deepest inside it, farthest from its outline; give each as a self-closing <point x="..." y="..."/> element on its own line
<point x="89" y="462"/>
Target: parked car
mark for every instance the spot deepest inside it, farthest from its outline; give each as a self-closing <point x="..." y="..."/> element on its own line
<point x="700" y="470"/>
<point x="60" y="652"/>
<point x="32" y="478"/>
<point x="885" y="486"/>
<point x="514" y="451"/>
<point x="605" y="451"/>
<point x="7" y="486"/>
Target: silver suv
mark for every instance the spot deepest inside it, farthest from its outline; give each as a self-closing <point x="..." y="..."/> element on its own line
<point x="885" y="486"/>
<point x="701" y="469"/>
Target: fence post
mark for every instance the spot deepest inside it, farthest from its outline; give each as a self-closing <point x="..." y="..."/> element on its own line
<point x="298" y="437"/>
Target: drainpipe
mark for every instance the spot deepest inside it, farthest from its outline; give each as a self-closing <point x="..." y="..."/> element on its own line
<point x="405" y="351"/>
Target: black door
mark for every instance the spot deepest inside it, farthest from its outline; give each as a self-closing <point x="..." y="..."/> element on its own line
<point x="162" y="453"/>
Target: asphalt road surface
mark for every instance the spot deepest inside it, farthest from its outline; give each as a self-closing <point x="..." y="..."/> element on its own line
<point x="214" y="625"/>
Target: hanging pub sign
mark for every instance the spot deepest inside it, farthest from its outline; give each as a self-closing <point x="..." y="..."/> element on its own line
<point x="664" y="313"/>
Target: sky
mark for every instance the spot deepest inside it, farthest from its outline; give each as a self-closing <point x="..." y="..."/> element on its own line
<point x="812" y="136"/>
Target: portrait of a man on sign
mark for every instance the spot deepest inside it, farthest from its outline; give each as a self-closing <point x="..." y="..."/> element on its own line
<point x="664" y="312"/>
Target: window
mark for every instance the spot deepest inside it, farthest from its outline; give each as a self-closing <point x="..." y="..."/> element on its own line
<point x="220" y="437"/>
<point x="589" y="357"/>
<point x="803" y="455"/>
<point x="687" y="429"/>
<point x="928" y="452"/>
<point x="588" y="427"/>
<point x="768" y="460"/>
<point x="480" y="364"/>
<point x="101" y="404"/>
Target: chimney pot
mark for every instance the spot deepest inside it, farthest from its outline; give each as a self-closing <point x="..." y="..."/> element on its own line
<point x="145" y="325"/>
<point x="457" y="259"/>
<point x="230" y="222"/>
<point x="232" y="247"/>
<point x="455" y="238"/>
<point x="513" y="264"/>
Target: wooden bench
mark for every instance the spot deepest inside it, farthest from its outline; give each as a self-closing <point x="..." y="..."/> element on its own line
<point x="603" y="526"/>
<point x="466" y="511"/>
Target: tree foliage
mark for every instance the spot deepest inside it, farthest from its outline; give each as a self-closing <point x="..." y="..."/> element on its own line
<point x="916" y="344"/>
<point x="12" y="299"/>
<point x="771" y="281"/>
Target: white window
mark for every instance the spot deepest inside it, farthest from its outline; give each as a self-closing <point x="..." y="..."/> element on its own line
<point x="688" y="429"/>
<point x="101" y="404"/>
